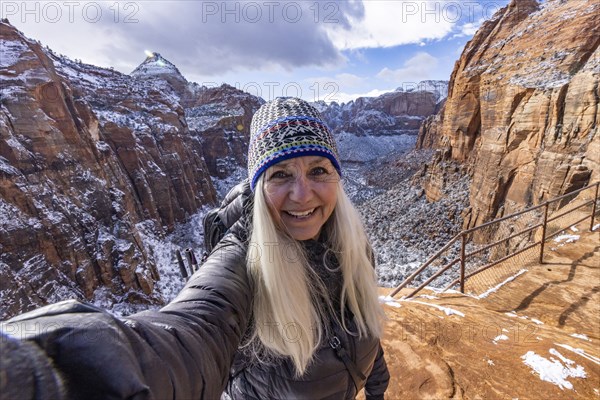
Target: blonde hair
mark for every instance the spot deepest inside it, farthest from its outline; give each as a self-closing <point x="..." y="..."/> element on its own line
<point x="289" y="319"/>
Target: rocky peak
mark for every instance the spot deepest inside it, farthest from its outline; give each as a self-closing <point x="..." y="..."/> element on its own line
<point x="437" y="87"/>
<point x="156" y="65"/>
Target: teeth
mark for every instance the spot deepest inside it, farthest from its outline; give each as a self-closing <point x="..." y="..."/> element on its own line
<point x="300" y="214"/>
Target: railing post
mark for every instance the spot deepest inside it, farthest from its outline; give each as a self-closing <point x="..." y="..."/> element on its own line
<point x="594" y="206"/>
<point x="463" y="244"/>
<point x="544" y="232"/>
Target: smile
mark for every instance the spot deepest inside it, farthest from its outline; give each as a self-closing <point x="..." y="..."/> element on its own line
<point x="301" y="214"/>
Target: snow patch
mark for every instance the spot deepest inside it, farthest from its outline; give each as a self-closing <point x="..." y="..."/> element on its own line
<point x="581" y="336"/>
<point x="566" y="238"/>
<point x="498" y="286"/>
<point x="102" y="146"/>
<point x="390" y="301"/>
<point x="446" y="310"/>
<point x="513" y="314"/>
<point x="553" y="370"/>
<point x="498" y="338"/>
<point x="11" y="52"/>
<point x="7" y="168"/>
<point x="581" y="352"/>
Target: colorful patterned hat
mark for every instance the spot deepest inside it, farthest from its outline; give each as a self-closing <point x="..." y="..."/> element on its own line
<point x="286" y="128"/>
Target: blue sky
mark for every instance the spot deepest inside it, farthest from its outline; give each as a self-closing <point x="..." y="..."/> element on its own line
<point x="315" y="49"/>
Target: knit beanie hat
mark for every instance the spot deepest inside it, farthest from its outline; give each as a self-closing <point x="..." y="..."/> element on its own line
<point x="286" y="128"/>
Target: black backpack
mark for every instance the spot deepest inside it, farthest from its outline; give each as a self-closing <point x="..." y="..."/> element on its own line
<point x="214" y="230"/>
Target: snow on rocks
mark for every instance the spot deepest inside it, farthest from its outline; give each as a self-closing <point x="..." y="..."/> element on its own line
<point x="561" y="240"/>
<point x="581" y="336"/>
<point x="404" y="237"/>
<point x="553" y="370"/>
<point x="566" y="238"/>
<point x="448" y="311"/>
<point x="11" y="51"/>
<point x="581" y="352"/>
<point x="499" y="338"/>
<point x="390" y="301"/>
<point x="155" y="64"/>
<point x="513" y="314"/>
<point x="186" y="235"/>
<point x="498" y="286"/>
<point x="368" y="148"/>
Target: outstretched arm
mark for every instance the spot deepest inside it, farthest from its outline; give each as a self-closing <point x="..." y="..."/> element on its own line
<point x="182" y="351"/>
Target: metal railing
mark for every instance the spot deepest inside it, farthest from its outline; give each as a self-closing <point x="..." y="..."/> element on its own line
<point x="471" y="253"/>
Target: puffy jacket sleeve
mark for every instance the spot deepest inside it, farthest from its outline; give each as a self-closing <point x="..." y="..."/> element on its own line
<point x="183" y="351"/>
<point x="377" y="381"/>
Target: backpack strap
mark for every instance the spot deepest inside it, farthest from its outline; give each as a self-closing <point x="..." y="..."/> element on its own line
<point x="342" y="353"/>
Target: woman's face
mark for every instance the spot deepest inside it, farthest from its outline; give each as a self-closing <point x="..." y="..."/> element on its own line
<point x="302" y="193"/>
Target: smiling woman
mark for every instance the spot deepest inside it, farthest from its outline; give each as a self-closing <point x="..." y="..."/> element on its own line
<point x="301" y="194"/>
<point x="284" y="307"/>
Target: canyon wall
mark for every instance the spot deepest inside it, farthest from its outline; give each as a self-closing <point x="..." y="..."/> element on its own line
<point x="93" y="162"/>
<point x="522" y="109"/>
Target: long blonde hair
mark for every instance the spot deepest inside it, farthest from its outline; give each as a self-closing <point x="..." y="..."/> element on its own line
<point x="289" y="319"/>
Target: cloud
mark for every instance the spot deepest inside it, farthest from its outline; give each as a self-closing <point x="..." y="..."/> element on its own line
<point x="328" y="88"/>
<point x="391" y="23"/>
<point x="468" y="29"/>
<point x="203" y="37"/>
<point x="418" y="68"/>
<point x="216" y="39"/>
<point x="212" y="38"/>
<point x="349" y="80"/>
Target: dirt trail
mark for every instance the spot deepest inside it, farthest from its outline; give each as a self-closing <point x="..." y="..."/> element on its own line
<point x="477" y="351"/>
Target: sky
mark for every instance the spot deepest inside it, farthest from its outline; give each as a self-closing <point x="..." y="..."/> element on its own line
<point x="328" y="50"/>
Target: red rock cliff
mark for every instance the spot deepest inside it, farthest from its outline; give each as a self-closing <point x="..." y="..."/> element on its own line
<point x="92" y="161"/>
<point x="523" y="107"/>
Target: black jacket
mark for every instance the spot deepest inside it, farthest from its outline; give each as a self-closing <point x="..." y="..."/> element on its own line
<point x="184" y="351"/>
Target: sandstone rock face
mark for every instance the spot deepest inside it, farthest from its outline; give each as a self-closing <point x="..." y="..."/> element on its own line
<point x="92" y="162"/>
<point x="523" y="106"/>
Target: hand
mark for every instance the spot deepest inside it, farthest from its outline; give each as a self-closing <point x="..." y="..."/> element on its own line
<point x="26" y="372"/>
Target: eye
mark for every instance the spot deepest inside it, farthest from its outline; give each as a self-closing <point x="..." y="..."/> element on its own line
<point x="321" y="174"/>
<point x="319" y="171"/>
<point x="279" y="175"/>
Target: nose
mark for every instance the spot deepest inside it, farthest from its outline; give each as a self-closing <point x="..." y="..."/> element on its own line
<point x="301" y="190"/>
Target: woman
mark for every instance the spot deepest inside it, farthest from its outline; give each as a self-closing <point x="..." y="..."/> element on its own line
<point x="284" y="307"/>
